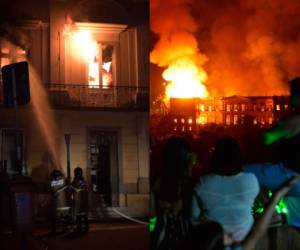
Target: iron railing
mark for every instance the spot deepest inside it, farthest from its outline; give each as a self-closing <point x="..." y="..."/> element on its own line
<point x="84" y="96"/>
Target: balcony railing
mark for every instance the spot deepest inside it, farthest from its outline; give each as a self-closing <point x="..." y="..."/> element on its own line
<point x="84" y="96"/>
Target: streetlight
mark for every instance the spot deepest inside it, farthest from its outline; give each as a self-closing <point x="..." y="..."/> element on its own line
<point x="67" y="140"/>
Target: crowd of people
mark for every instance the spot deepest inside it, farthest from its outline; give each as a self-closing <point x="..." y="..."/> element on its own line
<point x="215" y="211"/>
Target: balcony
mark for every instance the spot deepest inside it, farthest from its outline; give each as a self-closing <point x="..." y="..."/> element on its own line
<point x="84" y="96"/>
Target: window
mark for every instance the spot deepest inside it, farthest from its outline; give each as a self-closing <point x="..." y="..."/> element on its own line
<point x="235" y="119"/>
<point x="227" y="107"/>
<point x="242" y="119"/>
<point x="106" y="65"/>
<point x="270" y="120"/>
<point x="269" y="107"/>
<point x="243" y="107"/>
<point x="100" y="66"/>
<point x="202" y="107"/>
<point x="10" y="53"/>
<point x="8" y="149"/>
<point x="277" y="107"/>
<point x="235" y="107"/>
<point x="202" y="119"/>
<point x="92" y="54"/>
<point x="227" y="121"/>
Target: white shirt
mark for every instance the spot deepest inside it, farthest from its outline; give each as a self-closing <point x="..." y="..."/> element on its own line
<point x="227" y="200"/>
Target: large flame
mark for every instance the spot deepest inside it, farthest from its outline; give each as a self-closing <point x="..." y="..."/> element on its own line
<point x="90" y="49"/>
<point x="177" y="49"/>
<point x="185" y="80"/>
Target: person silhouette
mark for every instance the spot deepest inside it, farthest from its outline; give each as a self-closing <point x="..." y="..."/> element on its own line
<point x="80" y="200"/>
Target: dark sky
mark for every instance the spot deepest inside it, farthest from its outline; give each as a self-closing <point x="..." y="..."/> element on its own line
<point x="124" y="11"/>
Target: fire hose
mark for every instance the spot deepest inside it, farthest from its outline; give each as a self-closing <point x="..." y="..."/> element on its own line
<point x="129" y="218"/>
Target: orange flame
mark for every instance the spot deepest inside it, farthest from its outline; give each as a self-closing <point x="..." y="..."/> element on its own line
<point x="185" y="80"/>
<point x="90" y="50"/>
<point x="177" y="49"/>
<point x="106" y="75"/>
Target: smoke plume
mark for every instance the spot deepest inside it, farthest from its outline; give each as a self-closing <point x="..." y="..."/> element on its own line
<point x="252" y="46"/>
<point x="177" y="46"/>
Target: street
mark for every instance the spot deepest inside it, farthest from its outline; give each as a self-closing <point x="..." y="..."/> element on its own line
<point x="105" y="236"/>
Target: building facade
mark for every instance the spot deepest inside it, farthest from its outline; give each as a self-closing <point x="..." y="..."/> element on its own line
<point x="190" y="115"/>
<point x="88" y="80"/>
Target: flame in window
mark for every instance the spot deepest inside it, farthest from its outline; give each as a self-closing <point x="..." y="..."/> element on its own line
<point x="106" y="75"/>
<point x="90" y="51"/>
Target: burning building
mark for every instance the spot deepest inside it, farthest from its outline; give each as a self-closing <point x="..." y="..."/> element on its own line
<point x="189" y="115"/>
<point x="209" y="76"/>
<point x="88" y="79"/>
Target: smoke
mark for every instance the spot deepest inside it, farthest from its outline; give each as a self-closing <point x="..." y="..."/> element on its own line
<point x="252" y="46"/>
<point x="177" y="48"/>
<point x="14" y="34"/>
<point x="109" y="11"/>
<point x="176" y="38"/>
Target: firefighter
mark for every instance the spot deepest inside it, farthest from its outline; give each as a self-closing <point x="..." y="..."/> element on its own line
<point x="80" y="200"/>
<point x="61" y="210"/>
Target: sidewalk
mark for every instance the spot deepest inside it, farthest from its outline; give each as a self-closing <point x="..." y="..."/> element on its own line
<point x="104" y="236"/>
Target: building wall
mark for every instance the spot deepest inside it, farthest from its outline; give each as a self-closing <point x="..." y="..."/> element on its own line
<point x="133" y="150"/>
<point x="53" y="61"/>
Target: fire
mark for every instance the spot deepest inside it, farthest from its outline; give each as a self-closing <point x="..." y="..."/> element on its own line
<point x="185" y="80"/>
<point x="106" y="75"/>
<point x="177" y="49"/>
<point x="90" y="49"/>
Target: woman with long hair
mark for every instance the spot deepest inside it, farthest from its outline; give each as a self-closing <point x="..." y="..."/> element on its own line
<point x="170" y="193"/>
<point x="227" y="194"/>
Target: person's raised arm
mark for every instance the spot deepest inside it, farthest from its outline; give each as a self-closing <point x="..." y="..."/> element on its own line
<point x="284" y="129"/>
<point x="261" y="225"/>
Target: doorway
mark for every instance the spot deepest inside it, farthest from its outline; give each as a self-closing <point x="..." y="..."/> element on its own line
<point x="103" y="165"/>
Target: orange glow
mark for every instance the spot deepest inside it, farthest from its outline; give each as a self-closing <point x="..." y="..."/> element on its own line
<point x="185" y="80"/>
<point x="90" y="51"/>
<point x="201" y="119"/>
<point x="106" y="66"/>
<point x="106" y="75"/>
<point x="4" y="50"/>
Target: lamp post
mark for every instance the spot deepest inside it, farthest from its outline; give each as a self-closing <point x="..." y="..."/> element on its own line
<point x="67" y="140"/>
